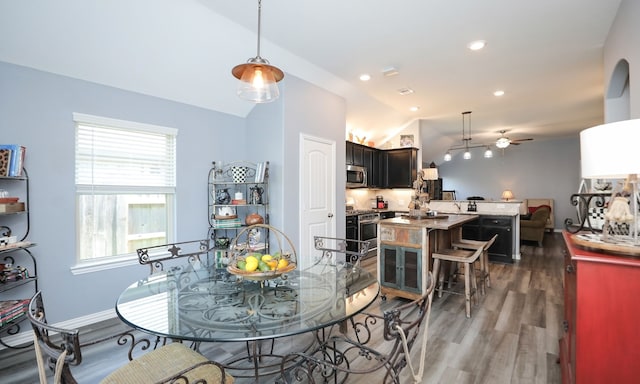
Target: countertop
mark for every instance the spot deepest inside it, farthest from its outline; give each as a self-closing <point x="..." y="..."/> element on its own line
<point x="448" y="222"/>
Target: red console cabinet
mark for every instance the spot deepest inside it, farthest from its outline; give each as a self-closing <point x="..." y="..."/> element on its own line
<point x="601" y="340"/>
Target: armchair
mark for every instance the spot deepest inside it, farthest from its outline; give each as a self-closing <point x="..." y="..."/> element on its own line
<point x="532" y="229"/>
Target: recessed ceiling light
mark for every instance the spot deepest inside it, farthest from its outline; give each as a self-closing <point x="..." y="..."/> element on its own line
<point x="414" y="109"/>
<point x="477" y="45"/>
<point x="405" y="91"/>
<point x="365" y="77"/>
<point x="498" y="93"/>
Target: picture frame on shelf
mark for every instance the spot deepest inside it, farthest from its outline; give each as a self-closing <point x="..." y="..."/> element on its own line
<point x="406" y="141"/>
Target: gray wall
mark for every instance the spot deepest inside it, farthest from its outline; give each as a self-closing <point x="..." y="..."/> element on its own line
<point x="623" y="42"/>
<point x="36" y="111"/>
<point x="545" y="169"/>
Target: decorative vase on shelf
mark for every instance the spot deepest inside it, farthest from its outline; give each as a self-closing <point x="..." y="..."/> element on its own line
<point x="223" y="196"/>
<point x="253" y="219"/>
<point x="256" y="195"/>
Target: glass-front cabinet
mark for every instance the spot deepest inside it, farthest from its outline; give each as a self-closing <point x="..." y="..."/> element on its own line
<point x="238" y="196"/>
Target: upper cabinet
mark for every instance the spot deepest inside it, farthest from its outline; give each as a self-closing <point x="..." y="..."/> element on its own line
<point x="371" y="161"/>
<point x="355" y="154"/>
<point x="400" y="167"/>
<point x="392" y="168"/>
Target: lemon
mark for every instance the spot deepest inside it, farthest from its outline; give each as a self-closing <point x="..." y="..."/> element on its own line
<point x="282" y="263"/>
<point x="267" y="257"/>
<point x="251" y="264"/>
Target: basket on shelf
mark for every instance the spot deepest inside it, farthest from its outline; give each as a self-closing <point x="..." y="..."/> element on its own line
<point x="247" y="245"/>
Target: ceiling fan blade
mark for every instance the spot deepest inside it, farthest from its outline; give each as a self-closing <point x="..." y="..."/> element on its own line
<point x="518" y="140"/>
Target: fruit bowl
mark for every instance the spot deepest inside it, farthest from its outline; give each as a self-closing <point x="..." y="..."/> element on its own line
<point x="258" y="275"/>
<point x="253" y="260"/>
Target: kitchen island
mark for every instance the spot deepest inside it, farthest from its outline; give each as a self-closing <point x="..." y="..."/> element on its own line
<point x="405" y="246"/>
<point x="500" y="218"/>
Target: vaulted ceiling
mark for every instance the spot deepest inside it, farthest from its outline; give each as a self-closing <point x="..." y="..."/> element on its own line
<point x="546" y="55"/>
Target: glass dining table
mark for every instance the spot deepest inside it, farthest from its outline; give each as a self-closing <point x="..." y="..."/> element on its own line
<point x="213" y="305"/>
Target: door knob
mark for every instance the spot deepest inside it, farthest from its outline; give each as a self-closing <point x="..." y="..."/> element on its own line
<point x="330" y="215"/>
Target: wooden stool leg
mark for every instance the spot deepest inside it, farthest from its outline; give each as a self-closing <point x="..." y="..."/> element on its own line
<point x="467" y="290"/>
<point x="474" y="283"/>
<point x="436" y="275"/>
<point x="485" y="257"/>
<point x="482" y="275"/>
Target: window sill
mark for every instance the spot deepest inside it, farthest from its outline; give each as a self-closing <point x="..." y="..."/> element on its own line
<point x="91" y="266"/>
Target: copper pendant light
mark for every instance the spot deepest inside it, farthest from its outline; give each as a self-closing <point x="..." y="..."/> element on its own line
<point x="257" y="77"/>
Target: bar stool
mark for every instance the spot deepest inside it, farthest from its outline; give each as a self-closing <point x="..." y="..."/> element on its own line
<point x="484" y="272"/>
<point x="468" y="259"/>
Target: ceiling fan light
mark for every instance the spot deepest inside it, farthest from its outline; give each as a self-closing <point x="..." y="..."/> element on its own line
<point x="447" y="156"/>
<point x="488" y="153"/>
<point x="503" y="142"/>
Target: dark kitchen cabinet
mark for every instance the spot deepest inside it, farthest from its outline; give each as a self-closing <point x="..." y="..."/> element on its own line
<point x="485" y="227"/>
<point x="471" y="230"/>
<point x="355" y="154"/>
<point x="371" y="161"/>
<point x="434" y="188"/>
<point x="401" y="167"/>
<point x="392" y="168"/>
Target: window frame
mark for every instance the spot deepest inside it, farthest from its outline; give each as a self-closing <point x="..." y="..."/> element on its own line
<point x="131" y="258"/>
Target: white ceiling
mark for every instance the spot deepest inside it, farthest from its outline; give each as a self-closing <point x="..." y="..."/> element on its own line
<point x="545" y="54"/>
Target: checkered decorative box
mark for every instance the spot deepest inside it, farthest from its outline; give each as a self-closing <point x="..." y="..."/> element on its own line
<point x="596" y="217"/>
<point x="239" y="174"/>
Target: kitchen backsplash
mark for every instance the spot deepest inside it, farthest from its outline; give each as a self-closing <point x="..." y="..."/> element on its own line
<point x="362" y="198"/>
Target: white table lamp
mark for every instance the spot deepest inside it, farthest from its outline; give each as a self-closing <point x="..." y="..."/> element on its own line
<point x="610" y="151"/>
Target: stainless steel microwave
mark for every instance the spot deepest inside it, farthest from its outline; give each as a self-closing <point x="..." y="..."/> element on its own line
<point x="356" y="176"/>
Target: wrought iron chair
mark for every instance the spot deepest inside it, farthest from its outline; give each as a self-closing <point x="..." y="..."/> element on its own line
<point x="155" y="256"/>
<point x="59" y="348"/>
<point x="353" y="250"/>
<point x="359" y="353"/>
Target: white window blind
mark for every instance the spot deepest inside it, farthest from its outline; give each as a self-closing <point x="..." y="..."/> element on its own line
<point x="125" y="187"/>
<point x="108" y="156"/>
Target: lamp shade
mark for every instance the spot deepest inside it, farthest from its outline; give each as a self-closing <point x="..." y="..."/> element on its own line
<point x="507" y="194"/>
<point x="610" y="151"/>
<point x="430" y="173"/>
<point x="258" y="80"/>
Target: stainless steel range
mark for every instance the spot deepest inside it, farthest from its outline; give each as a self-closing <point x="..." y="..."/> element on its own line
<point x="363" y="225"/>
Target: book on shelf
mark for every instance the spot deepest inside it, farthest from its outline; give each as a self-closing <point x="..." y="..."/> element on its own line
<point x="260" y="171"/>
<point x="16" y="154"/>
<point x="228" y="223"/>
<point x="12" y="309"/>
<point x="5" y="162"/>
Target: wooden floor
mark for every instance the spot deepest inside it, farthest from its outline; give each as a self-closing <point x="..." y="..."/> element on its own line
<point x="512" y="336"/>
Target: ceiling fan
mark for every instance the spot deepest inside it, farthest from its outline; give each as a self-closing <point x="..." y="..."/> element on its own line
<point x="503" y="141"/>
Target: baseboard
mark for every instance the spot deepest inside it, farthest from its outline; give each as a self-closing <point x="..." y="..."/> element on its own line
<point x="27" y="335"/>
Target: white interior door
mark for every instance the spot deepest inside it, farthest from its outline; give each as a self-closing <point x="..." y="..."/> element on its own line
<point x="317" y="194"/>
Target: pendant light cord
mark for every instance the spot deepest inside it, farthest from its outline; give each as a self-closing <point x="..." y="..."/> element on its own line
<point x="259" y="23"/>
